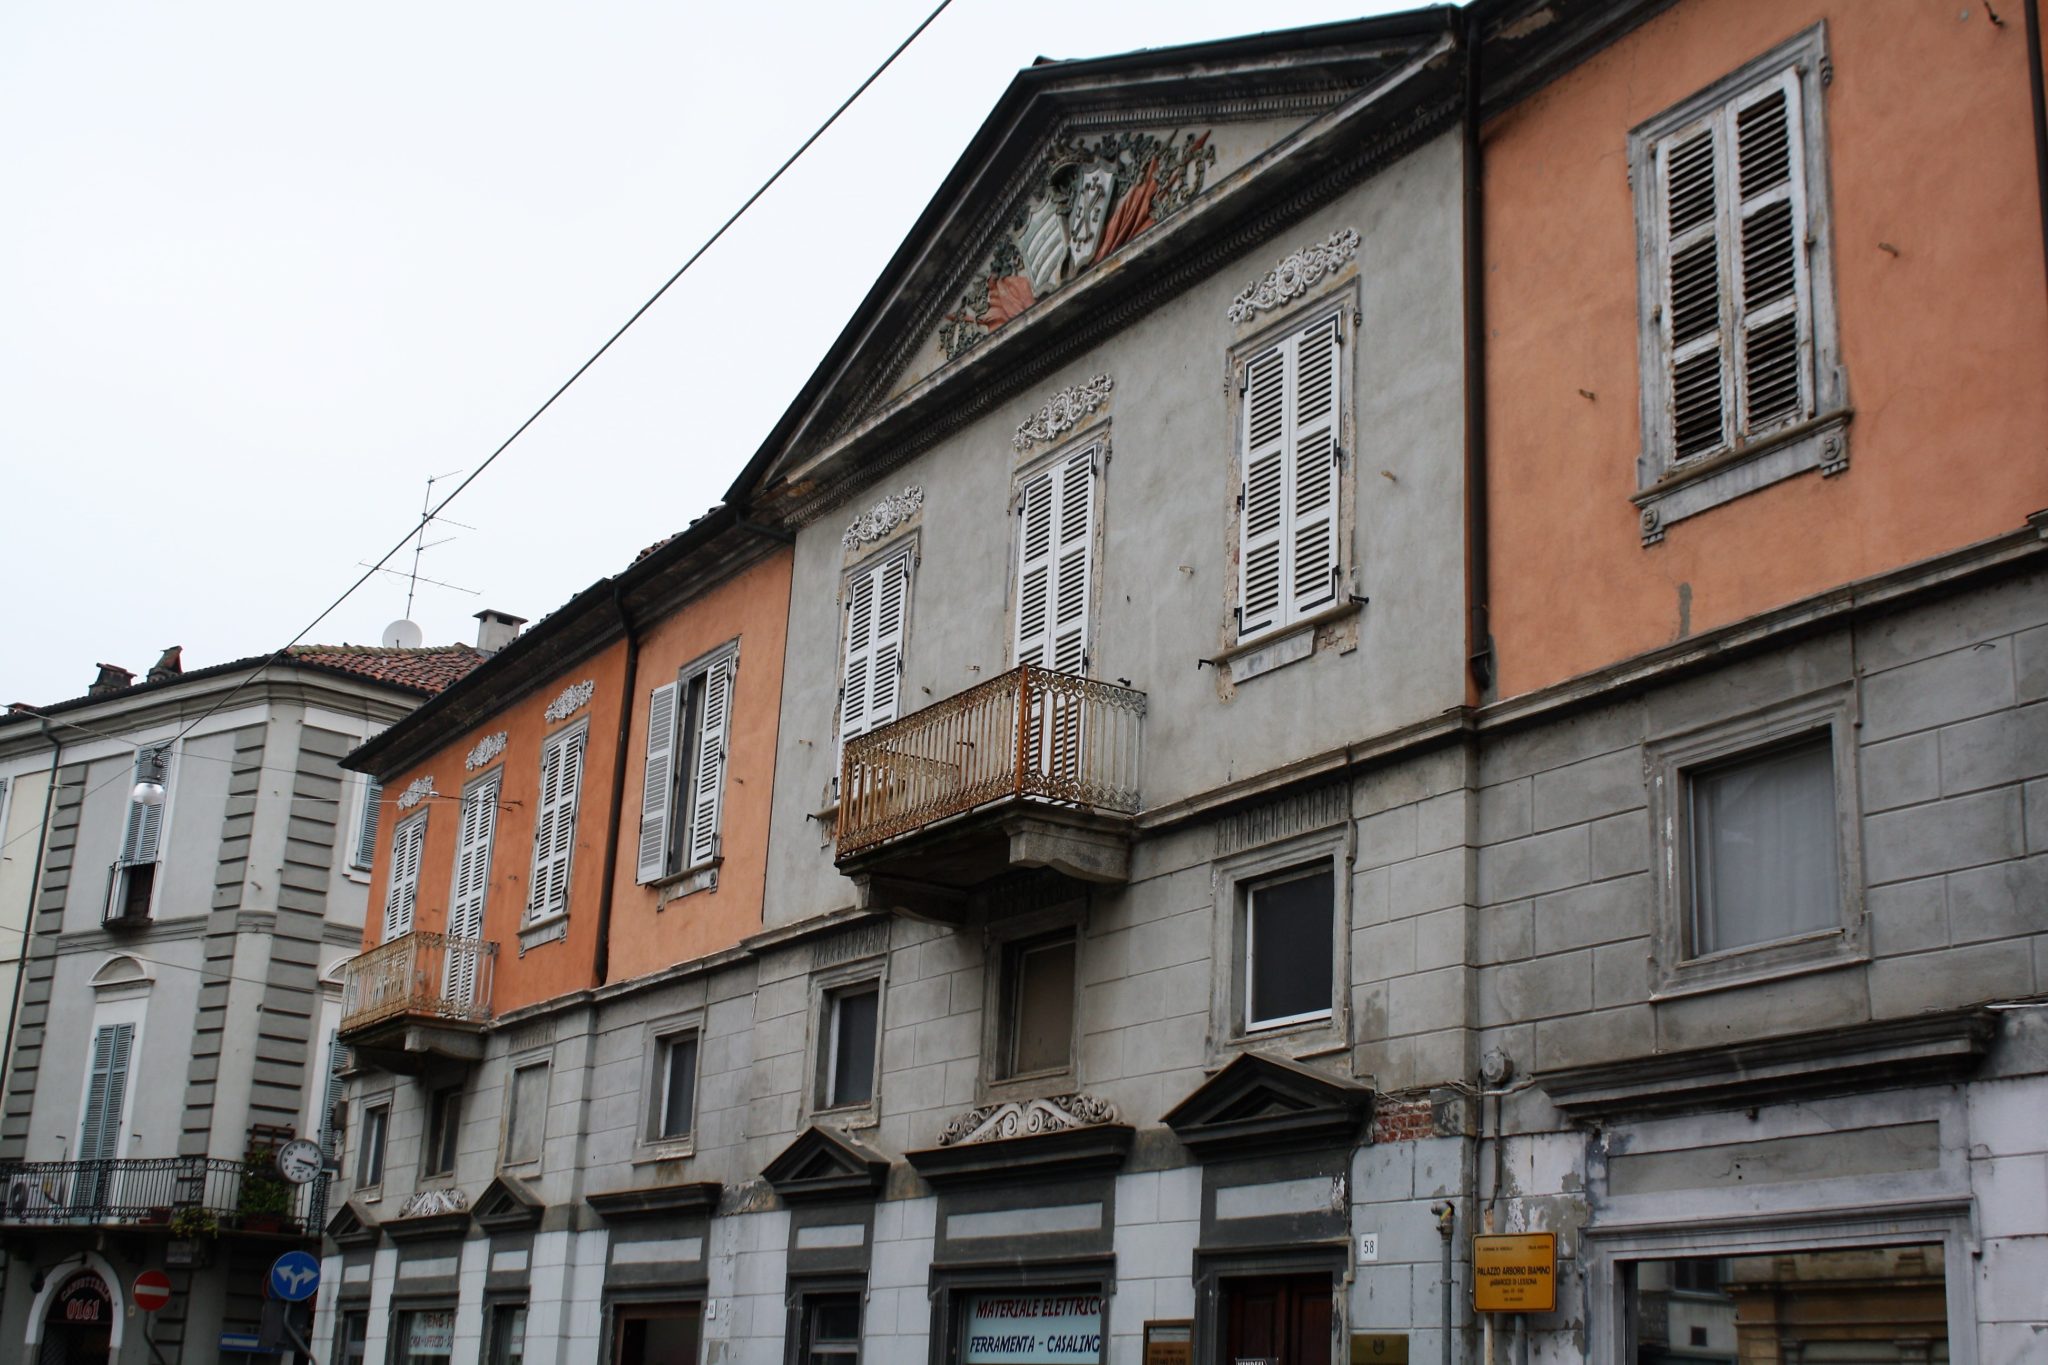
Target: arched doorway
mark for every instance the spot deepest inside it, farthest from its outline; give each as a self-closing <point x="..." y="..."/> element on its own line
<point x="78" y="1325"/>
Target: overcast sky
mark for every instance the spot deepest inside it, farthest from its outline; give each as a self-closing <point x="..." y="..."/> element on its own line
<point x="265" y="268"/>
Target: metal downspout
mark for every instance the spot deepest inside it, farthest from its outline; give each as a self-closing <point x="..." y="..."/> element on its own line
<point x="618" y="799"/>
<point x="1478" y="547"/>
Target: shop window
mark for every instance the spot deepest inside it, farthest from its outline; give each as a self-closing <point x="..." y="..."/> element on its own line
<point x="426" y="1336"/>
<point x="1056" y="1326"/>
<point x="675" y="1102"/>
<point x="654" y="1334"/>
<point x="370" y="1146"/>
<point x="831" y="1329"/>
<point x="1862" y="1304"/>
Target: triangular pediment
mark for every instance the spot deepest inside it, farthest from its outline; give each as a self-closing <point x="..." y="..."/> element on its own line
<point x="1260" y="1104"/>
<point x="825" y="1164"/>
<point x="351" y="1227"/>
<point x="1093" y="191"/>
<point x="506" y="1205"/>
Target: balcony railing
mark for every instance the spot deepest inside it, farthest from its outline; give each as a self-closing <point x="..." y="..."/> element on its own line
<point x="420" y="975"/>
<point x="152" y="1191"/>
<point x="1029" y="734"/>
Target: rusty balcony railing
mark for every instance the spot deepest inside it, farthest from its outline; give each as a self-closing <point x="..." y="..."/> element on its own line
<point x="1030" y="734"/>
<point x="419" y="975"/>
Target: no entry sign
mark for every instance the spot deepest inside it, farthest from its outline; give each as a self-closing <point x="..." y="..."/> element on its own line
<point x="152" y="1290"/>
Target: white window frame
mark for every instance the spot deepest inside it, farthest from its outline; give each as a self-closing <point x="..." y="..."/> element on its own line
<point x="1670" y="760"/>
<point x="907" y="552"/>
<point x="373" y="1106"/>
<point x="541" y="920"/>
<point x="826" y="986"/>
<point x="1234" y="879"/>
<point x="364" y="824"/>
<point x="1093" y="446"/>
<point x="1338" y="306"/>
<point x="1671" y="489"/>
<point x="513" y="1070"/>
<point x="673" y="791"/>
<point x="663" y="1088"/>
<point x="829" y="1076"/>
<point x="131" y="1009"/>
<point x="482" y="795"/>
<point x="659" y="1034"/>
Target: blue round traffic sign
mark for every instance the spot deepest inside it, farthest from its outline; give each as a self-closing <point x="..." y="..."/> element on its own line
<point x="294" y="1277"/>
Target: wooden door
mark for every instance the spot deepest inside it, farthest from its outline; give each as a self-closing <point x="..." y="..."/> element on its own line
<point x="1282" y="1319"/>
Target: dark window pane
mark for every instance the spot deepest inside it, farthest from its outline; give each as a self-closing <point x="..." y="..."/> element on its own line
<point x="444" y="1125"/>
<point x="1042" y="1018"/>
<point x="853" y="1048"/>
<point x="661" y="1335"/>
<point x="679" y="1087"/>
<point x="1288" y="943"/>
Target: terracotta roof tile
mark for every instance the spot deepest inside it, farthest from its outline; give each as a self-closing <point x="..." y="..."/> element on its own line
<point x="428" y="669"/>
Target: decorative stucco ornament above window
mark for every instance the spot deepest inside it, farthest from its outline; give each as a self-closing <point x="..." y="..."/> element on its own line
<point x="884" y="517"/>
<point x="572" y="699"/>
<point x="1296" y="274"/>
<point x="1063" y="412"/>
<point x="428" y="1203"/>
<point x="1089" y="197"/>
<point x="487" y="748"/>
<point x="1027" y="1118"/>
<point x="416" y="791"/>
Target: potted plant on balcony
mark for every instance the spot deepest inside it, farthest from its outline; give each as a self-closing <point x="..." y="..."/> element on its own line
<point x="265" y="1204"/>
<point x="192" y="1231"/>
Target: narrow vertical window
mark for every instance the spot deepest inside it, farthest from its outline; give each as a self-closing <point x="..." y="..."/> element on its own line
<point x="132" y="885"/>
<point x="444" y="1131"/>
<point x="832" y="1329"/>
<point x="106" y="1093"/>
<point x="675" y="1109"/>
<point x="851" y="1019"/>
<point x="370" y="1150"/>
<point x="472" y="883"/>
<point x="682" y="800"/>
<point x="1038" y="985"/>
<point x="554" y="835"/>
<point x="1289" y="923"/>
<point x="1055" y="552"/>
<point x="877" y="612"/>
<point x="526" y="1121"/>
<point x="363" y="848"/>
<point x="1289" y="552"/>
<point x="402" y="895"/>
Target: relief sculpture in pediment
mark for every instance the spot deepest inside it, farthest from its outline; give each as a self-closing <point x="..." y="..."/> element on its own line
<point x="1091" y="196"/>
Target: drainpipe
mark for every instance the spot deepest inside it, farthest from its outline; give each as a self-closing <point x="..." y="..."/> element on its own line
<point x="1446" y="1216"/>
<point x="35" y="883"/>
<point x="618" y="800"/>
<point x="2033" y="9"/>
<point x="1478" y="547"/>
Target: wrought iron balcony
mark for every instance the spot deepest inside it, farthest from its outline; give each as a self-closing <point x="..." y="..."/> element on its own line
<point x="1029" y="769"/>
<point x="185" y="1196"/>
<point x="420" y="996"/>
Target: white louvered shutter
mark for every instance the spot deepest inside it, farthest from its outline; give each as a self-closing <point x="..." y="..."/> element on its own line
<point x="657" y="792"/>
<point x="99" y="1129"/>
<point x="1312" y="468"/>
<point x="1262" y="495"/>
<point x="144" y="829"/>
<point x="1037" y="512"/>
<point x="708" y="781"/>
<point x="877" y="608"/>
<point x="472" y="882"/>
<point x="1774" y="338"/>
<point x="403" y="895"/>
<point x="555" y="833"/>
<point x="366" y="829"/>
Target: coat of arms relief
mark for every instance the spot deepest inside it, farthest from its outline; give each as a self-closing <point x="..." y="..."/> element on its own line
<point x="1091" y="196"/>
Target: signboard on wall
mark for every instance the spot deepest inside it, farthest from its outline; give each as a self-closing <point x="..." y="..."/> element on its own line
<point x="1514" y="1272"/>
<point x="1053" y="1328"/>
<point x="1170" y="1342"/>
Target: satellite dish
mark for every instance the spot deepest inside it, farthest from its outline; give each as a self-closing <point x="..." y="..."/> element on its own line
<point x="403" y="635"/>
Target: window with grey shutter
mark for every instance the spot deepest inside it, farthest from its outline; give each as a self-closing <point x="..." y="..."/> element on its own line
<point x="657" y="791"/>
<point x="711" y="697"/>
<point x="472" y="883"/>
<point x="402" y="894"/>
<point x="364" y="848"/>
<point x="1290" y="561"/>
<point x="106" y="1093"/>
<point x="683" y="796"/>
<point x="144" y="828"/>
<point x="1739" y="354"/>
<point x="554" y="836"/>
<point x="1055" y="554"/>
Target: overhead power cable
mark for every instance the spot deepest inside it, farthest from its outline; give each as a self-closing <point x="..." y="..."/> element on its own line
<point x="595" y="356"/>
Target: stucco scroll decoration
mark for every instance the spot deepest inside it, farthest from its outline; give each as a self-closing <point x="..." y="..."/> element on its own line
<point x="416" y="791"/>
<point x="1296" y="274"/>
<point x="1063" y="412"/>
<point x="884" y="517"/>
<point x="1025" y="1118"/>
<point x="487" y="748"/>
<point x="427" y="1203"/>
<point x="570" y="701"/>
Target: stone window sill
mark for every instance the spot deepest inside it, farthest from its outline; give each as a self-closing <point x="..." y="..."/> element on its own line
<point x="547" y="929"/>
<point x="1245" y="661"/>
<point x="676" y="885"/>
<point x="1818" y="443"/>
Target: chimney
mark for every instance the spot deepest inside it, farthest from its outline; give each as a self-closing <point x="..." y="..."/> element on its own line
<point x="496" y="629"/>
<point x="113" y="678"/>
<point x="170" y="666"/>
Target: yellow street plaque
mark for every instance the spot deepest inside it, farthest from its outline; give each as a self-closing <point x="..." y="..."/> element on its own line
<point x="1514" y="1272"/>
<point x="1379" y="1348"/>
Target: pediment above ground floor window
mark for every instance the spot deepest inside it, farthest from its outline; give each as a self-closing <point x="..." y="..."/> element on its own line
<point x="1259" y="1104"/>
<point x="825" y="1164"/>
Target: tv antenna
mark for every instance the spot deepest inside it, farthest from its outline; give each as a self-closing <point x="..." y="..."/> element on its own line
<point x="402" y="633"/>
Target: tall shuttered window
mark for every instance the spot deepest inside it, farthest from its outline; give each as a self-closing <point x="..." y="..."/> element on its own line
<point x="363" y="847"/>
<point x="554" y="829"/>
<point x="877" y="620"/>
<point x="131" y="886"/>
<point x="106" y="1093"/>
<point x="1290" y="559"/>
<point x="683" y="793"/>
<point x="1055" y="563"/>
<point x="1738" y="338"/>
<point x="472" y="882"/>
<point x="402" y="896"/>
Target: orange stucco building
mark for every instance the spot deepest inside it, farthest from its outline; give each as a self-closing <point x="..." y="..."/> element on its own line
<point x="1938" y="291"/>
